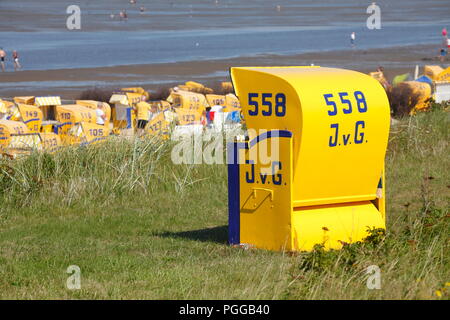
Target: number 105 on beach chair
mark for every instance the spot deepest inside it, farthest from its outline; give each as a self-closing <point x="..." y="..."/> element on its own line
<point x="312" y="169"/>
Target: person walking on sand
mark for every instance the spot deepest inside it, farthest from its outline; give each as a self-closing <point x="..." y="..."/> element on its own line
<point x="352" y="39"/>
<point x="2" y="58"/>
<point x="16" y="60"/>
<point x="101" y="117"/>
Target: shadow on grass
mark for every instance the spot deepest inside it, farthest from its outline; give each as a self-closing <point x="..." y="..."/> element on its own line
<point x="216" y="234"/>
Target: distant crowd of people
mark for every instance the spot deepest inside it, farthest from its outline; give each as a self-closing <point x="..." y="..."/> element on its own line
<point x="15" y="59"/>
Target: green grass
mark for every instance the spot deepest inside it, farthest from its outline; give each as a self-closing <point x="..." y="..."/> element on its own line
<point x="139" y="226"/>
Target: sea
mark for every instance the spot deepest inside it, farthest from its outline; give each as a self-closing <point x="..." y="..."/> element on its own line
<point x="60" y="34"/>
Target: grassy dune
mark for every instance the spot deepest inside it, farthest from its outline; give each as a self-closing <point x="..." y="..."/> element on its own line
<point x="139" y="226"/>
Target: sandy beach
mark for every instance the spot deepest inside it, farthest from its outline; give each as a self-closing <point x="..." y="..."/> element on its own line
<point x="69" y="83"/>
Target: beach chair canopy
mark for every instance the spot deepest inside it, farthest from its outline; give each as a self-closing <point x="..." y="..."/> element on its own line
<point x="444" y="75"/>
<point x="432" y="71"/>
<point x="119" y="98"/>
<point x="425" y="79"/>
<point x="24" y="100"/>
<point x="400" y="78"/>
<point x="48" y="101"/>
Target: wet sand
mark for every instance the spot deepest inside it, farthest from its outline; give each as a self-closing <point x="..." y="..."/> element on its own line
<point x="69" y="83"/>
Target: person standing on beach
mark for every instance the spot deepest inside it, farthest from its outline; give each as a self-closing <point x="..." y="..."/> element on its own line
<point x="2" y="58"/>
<point x="352" y="39"/>
<point x="16" y="60"/>
<point x="442" y="55"/>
